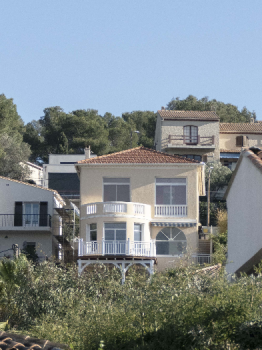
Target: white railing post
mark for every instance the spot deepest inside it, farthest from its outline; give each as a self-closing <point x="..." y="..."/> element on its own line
<point x="103" y="246"/>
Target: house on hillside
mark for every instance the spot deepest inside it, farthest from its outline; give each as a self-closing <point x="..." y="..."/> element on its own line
<point x="60" y="174"/>
<point x="191" y="134"/>
<point x="28" y="218"/>
<point x="244" y="203"/>
<point x="233" y="137"/>
<point x="139" y="206"/>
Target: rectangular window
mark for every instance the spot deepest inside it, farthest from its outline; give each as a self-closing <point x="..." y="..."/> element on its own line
<point x="171" y="191"/>
<point x="137" y="232"/>
<point x="116" y="189"/>
<point x="115" y="232"/>
<point x="31" y="217"/>
<point x="191" y="134"/>
<point x="93" y="232"/>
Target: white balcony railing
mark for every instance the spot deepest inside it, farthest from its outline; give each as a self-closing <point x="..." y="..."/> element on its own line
<point x="129" y="248"/>
<point x="202" y="259"/>
<point x="171" y="210"/>
<point x="129" y="208"/>
<point x="115" y="208"/>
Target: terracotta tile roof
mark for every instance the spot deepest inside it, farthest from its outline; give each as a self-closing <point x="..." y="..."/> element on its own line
<point x="139" y="155"/>
<point x="230" y="150"/>
<point x="32" y="185"/>
<point x="255" y="159"/>
<point x="20" y="342"/>
<point x="188" y="115"/>
<point x="211" y="271"/>
<point x="241" y="128"/>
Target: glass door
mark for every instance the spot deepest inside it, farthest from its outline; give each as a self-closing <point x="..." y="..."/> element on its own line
<point x="115" y="238"/>
<point x="31" y="217"/>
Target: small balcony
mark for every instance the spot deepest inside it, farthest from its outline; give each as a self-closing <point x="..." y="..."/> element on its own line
<point x="18" y="222"/>
<point x="183" y="141"/>
<point x="117" y="248"/>
<point x="117" y="208"/>
<point x="175" y="211"/>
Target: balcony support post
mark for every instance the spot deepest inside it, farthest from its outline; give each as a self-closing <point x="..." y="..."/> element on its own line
<point x="103" y="246"/>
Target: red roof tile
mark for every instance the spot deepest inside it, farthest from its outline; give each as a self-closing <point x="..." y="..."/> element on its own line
<point x="230" y="150"/>
<point x="241" y="128"/>
<point x="188" y="115"/>
<point x="139" y="155"/>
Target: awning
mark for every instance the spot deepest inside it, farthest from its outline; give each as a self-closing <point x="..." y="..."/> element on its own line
<point x="230" y="155"/>
<point x="174" y="224"/>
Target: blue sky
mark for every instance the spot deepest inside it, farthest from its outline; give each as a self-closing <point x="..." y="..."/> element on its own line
<point x="123" y="55"/>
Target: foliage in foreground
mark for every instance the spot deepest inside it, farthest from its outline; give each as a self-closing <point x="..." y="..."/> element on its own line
<point x="179" y="309"/>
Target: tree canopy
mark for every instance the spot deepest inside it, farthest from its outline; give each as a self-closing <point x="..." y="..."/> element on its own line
<point x="13" y="151"/>
<point x="227" y="112"/>
<point x="59" y="132"/>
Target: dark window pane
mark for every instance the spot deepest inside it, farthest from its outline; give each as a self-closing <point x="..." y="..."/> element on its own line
<point x="162" y="194"/>
<point x="109" y="193"/>
<point x="162" y="248"/>
<point x="109" y="235"/>
<point x="93" y="236"/>
<point x="92" y="226"/>
<point x="137" y="236"/>
<point x="123" y="193"/>
<point x="115" y="225"/>
<point x="171" y="180"/>
<point x="120" y="235"/>
<point x="116" y="180"/>
<point x="179" y="195"/>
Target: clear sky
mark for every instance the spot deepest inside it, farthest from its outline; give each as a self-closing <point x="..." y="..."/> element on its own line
<point x="124" y="55"/>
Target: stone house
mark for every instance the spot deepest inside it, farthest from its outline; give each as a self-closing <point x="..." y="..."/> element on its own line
<point x="192" y="134"/>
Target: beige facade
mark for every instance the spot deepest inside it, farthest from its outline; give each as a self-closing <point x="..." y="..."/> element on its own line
<point x="228" y="141"/>
<point x="170" y="135"/>
<point x="28" y="216"/>
<point x="141" y="209"/>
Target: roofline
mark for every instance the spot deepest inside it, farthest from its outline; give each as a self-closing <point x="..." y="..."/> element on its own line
<point x="241" y="132"/>
<point x="197" y="119"/>
<point x="34" y="165"/>
<point x="35" y="186"/>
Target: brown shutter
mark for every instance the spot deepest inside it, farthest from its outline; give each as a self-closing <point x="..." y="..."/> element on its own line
<point x="18" y="220"/>
<point x="204" y="158"/>
<point x="244" y="141"/>
<point x="239" y="141"/>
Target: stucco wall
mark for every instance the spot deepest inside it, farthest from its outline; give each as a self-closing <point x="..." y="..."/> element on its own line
<point x="244" y="215"/>
<point x="228" y="141"/>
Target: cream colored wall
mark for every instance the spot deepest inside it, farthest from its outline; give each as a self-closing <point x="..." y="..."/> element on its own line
<point x="228" y="141"/>
<point x="205" y="128"/>
<point x="244" y="203"/>
<point x="142" y="186"/>
<point x="142" y="182"/>
<point x="43" y="241"/>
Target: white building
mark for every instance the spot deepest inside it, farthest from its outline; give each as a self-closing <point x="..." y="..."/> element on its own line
<point x="244" y="202"/>
<point x="28" y="218"/>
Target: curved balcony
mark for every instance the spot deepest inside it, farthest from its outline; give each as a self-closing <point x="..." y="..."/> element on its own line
<point x="116" y="208"/>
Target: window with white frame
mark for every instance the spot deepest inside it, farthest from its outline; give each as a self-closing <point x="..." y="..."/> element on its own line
<point x="115" y="231"/>
<point x="137" y="232"/>
<point x="171" y="241"/>
<point x="31" y="216"/>
<point x="91" y="233"/>
<point x="171" y="191"/>
<point x="116" y="189"/>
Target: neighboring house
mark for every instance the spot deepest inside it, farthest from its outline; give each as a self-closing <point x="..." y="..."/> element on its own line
<point x="192" y="134"/>
<point x="233" y="137"/>
<point x="244" y="203"/>
<point x="28" y="218"/>
<point x="60" y="174"/>
<point x="36" y="173"/>
<point x="137" y="206"/>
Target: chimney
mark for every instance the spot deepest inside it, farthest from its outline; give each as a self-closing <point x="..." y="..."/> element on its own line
<point x="163" y="108"/>
<point x="87" y="152"/>
<point x="252" y="120"/>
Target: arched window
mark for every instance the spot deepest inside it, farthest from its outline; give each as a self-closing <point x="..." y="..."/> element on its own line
<point x="191" y="134"/>
<point x="170" y="241"/>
